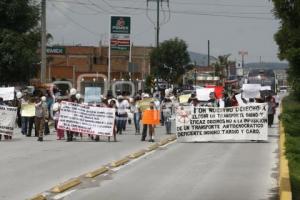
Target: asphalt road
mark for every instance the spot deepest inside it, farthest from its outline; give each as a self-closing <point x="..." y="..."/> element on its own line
<point x="29" y="167"/>
<point x="208" y="170"/>
<point x="190" y="171"/>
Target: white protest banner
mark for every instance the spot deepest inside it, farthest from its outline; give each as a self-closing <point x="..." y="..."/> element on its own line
<point x="92" y="95"/>
<point x="86" y="119"/>
<point x="196" y="124"/>
<point x="203" y="93"/>
<point x="251" y="90"/>
<point x="265" y="88"/>
<point x="239" y="99"/>
<point x="7" y="93"/>
<point x="7" y="120"/>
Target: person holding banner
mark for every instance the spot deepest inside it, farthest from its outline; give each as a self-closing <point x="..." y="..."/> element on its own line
<point x="27" y="115"/>
<point x="112" y="104"/>
<point x="151" y="118"/>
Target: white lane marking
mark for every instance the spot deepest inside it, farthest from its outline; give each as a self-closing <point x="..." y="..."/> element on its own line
<point x="59" y="196"/>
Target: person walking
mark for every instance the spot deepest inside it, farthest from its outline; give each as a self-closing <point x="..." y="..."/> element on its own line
<point x="151" y="119"/>
<point x="112" y="104"/>
<point x="135" y="109"/>
<point x="271" y="110"/>
<point x="167" y="113"/>
<point x="41" y="115"/>
<point x="27" y="115"/>
<point x="121" y="114"/>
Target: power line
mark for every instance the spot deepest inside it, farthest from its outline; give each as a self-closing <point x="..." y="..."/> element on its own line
<point x="75" y="22"/>
<point x="199" y="13"/>
<point x="214" y="14"/>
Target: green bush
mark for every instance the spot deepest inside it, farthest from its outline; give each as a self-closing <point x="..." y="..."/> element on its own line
<point x="291" y="121"/>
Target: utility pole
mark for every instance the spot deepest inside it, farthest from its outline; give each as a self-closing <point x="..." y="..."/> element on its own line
<point x="208" y="53"/>
<point x="43" y="42"/>
<point x="243" y="54"/>
<point x="157" y="24"/>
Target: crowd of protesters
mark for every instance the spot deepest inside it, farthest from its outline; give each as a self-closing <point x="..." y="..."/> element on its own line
<point x="128" y="110"/>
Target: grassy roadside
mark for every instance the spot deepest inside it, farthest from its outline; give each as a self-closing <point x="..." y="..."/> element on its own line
<point x="291" y="121"/>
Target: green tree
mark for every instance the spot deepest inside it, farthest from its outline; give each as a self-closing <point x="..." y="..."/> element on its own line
<point x="19" y="37"/>
<point x="221" y="66"/>
<point x="169" y="60"/>
<point x="288" y="38"/>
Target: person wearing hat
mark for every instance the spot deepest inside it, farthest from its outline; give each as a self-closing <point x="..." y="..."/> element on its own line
<point x="41" y="115"/>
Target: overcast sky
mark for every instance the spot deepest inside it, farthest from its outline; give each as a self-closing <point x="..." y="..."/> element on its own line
<point x="230" y="25"/>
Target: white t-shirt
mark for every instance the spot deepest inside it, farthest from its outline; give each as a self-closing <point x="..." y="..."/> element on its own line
<point x="122" y="107"/>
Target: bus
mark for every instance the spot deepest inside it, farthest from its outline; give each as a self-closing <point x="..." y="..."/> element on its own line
<point x="265" y="77"/>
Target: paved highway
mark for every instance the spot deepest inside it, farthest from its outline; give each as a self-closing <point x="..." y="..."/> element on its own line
<point x="208" y="170"/>
<point x="29" y="167"/>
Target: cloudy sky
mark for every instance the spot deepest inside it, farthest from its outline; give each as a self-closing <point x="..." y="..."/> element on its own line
<point x="230" y="25"/>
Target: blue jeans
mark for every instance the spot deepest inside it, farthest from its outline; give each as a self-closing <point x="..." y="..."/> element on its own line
<point x="137" y="118"/>
<point x="27" y="124"/>
<point x="121" y="122"/>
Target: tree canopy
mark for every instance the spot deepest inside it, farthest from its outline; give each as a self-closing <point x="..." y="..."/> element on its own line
<point x="288" y="38"/>
<point x="19" y="37"/>
<point x="169" y="60"/>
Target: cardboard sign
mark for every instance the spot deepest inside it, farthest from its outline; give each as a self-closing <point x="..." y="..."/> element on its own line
<point x="28" y="110"/>
<point x="145" y="103"/>
<point x="184" y="98"/>
<point x="92" y="95"/>
<point x="251" y="90"/>
<point x="7" y="93"/>
<point x="7" y="120"/>
<point x="151" y="117"/>
<point x="203" y="93"/>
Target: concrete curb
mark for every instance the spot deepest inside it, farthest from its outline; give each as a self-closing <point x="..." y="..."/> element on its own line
<point x="96" y="172"/>
<point x="285" y="192"/>
<point x="120" y="162"/>
<point x="137" y="154"/>
<point x="66" y="185"/>
<point x="38" y="197"/>
<point x="153" y="147"/>
<point x="164" y="141"/>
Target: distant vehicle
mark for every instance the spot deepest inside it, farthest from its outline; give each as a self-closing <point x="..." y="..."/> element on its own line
<point x="283" y="88"/>
<point x="265" y="77"/>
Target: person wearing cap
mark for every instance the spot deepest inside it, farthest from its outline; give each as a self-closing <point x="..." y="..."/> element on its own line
<point x="41" y="115"/>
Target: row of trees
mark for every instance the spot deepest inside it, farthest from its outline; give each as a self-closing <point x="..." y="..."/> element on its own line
<point x="171" y="60"/>
<point x="19" y="39"/>
<point x="288" y="38"/>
